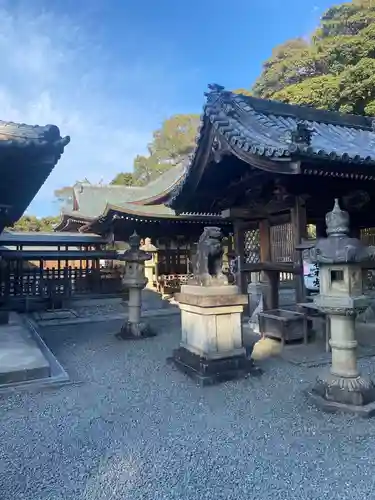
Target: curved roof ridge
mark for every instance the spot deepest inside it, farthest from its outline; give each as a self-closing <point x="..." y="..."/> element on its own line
<point x="90" y="204"/>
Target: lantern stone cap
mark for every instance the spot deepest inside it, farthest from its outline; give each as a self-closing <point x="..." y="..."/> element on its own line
<point x="339" y="247"/>
<point x="134" y="253"/>
<point x="337" y="221"/>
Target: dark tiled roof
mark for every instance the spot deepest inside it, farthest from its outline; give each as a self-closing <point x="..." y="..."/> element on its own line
<point x="276" y="130"/>
<point x="37" y="149"/>
<point x="133" y="211"/>
<point x="93" y="199"/>
<point x="21" y="135"/>
<point x="267" y="128"/>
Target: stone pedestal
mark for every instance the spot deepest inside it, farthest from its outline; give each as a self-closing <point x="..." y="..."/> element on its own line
<point x="211" y="348"/>
<point x="343" y="388"/>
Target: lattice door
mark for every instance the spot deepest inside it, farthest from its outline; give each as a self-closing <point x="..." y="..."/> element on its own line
<point x="282" y="243"/>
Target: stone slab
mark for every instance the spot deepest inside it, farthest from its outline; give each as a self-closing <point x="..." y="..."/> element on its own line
<point x="58" y="376"/>
<point x="211" y="300"/>
<point x="20" y="357"/>
<point x="210" y="290"/>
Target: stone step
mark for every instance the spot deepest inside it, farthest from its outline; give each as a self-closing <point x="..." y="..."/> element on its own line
<point x="20" y="357"/>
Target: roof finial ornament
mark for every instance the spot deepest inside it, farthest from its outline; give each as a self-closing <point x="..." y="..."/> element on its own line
<point x="302" y="134"/>
<point x="214" y="89"/>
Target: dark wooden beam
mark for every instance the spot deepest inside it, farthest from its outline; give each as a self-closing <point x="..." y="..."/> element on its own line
<point x="299" y="222"/>
<point x="257" y="212"/>
<point x="239" y="247"/>
<point x="265" y="240"/>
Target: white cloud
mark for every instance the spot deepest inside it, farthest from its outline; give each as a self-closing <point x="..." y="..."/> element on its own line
<point x="54" y="72"/>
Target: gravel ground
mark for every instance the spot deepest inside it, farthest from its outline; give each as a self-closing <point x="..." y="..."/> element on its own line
<point x="150" y="301"/>
<point x="134" y="428"/>
<point x="100" y="310"/>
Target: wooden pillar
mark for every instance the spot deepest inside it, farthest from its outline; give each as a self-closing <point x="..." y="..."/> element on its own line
<point x="239" y="247"/>
<point x="299" y="223"/>
<point x="270" y="289"/>
<point x="265" y="241"/>
<point x="270" y="279"/>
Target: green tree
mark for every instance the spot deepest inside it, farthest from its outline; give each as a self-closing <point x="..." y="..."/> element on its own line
<point x="170" y="144"/>
<point x="242" y="91"/>
<point x="335" y="70"/>
<point x="123" y="179"/>
<point x="175" y="139"/>
<point x="31" y="223"/>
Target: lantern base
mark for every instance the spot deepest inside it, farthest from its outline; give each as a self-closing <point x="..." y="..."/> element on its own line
<point x="349" y="395"/>
<point x="135" y="331"/>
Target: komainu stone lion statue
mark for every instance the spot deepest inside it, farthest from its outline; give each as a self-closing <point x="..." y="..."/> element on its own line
<point x="208" y="261"/>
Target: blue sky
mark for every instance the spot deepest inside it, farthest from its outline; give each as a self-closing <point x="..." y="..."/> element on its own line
<point x="107" y="72"/>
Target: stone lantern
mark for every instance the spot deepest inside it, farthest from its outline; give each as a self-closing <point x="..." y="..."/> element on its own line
<point x="150" y="265"/>
<point x="341" y="298"/>
<point x="134" y="280"/>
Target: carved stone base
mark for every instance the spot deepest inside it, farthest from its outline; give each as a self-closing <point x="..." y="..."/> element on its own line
<point x="135" y="331"/>
<point x="213" y="371"/>
<point x="350" y="395"/>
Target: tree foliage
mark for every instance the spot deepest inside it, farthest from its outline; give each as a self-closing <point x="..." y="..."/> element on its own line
<point x="335" y="70"/>
<point x="35" y="224"/>
<point x="123" y="179"/>
<point x="170" y="144"/>
<point x="64" y="196"/>
<point x="242" y="91"/>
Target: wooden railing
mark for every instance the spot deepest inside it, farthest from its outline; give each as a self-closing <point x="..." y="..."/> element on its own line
<point x="53" y="286"/>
